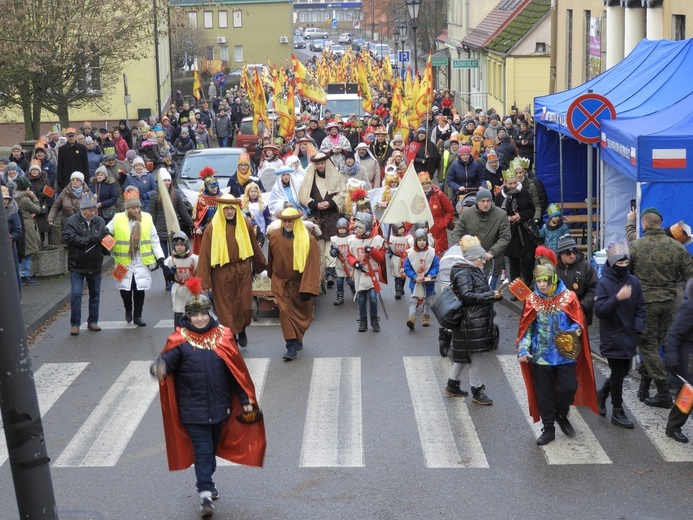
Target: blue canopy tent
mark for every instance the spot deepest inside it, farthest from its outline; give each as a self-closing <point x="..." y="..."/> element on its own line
<point x="648" y="158"/>
<point x="654" y="76"/>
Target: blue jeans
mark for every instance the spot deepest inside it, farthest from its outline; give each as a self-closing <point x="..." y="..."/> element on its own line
<point x="223" y="142"/>
<point x="205" y="439"/>
<point x="25" y="267"/>
<point x="94" y="285"/>
<point x="372" y="297"/>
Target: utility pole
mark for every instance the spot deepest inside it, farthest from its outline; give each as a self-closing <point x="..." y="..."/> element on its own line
<point x="21" y="417"/>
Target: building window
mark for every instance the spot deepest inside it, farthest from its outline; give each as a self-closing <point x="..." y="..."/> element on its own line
<point x="237" y="18"/>
<point x="224" y="52"/>
<point x="207" y="18"/>
<point x="192" y="19"/>
<point x="678" y="27"/>
<point x="569" y="50"/>
<point x="540" y="48"/>
<point x="223" y="19"/>
<point x="238" y="53"/>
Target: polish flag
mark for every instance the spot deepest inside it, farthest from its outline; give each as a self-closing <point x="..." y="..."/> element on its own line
<point x="669" y="158"/>
<point x="633" y="160"/>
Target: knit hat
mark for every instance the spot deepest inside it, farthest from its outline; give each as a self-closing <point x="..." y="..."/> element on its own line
<point x="16" y="147"/>
<point x="475" y="253"/>
<point x="77" y="175"/>
<point x="101" y="169"/>
<point x="508" y="122"/>
<point x="482" y="194"/>
<point x="88" y="201"/>
<point x="22" y="183"/>
<point x="397" y="137"/>
<point x="164" y="175"/>
<point x="465" y="149"/>
<point x="421" y="130"/>
<point x="4" y="160"/>
<point x="565" y="243"/>
<point x="617" y="251"/>
<point x="651" y="210"/>
<point x="138" y="160"/>
<point x="35" y="165"/>
<point x="132" y="197"/>
<point x="554" y="210"/>
<point x="130" y="154"/>
<point x="88" y="139"/>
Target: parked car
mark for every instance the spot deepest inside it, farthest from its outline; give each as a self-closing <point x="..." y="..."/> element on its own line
<point x="224" y="162"/>
<point x="358" y="43"/>
<point x="317" y="45"/>
<point x="299" y="42"/>
<point x="380" y="50"/>
<point x="234" y="77"/>
<point x="337" y="50"/>
<point x="246" y="138"/>
<point x="313" y="33"/>
<point x="346" y="38"/>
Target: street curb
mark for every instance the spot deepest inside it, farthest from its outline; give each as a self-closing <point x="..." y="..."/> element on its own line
<point x="41" y="319"/>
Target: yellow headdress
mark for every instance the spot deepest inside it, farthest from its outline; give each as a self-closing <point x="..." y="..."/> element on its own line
<point x="301" y="237"/>
<point x="220" y="252"/>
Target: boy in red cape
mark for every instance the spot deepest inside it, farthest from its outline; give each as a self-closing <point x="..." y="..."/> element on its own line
<point x="554" y="352"/>
<point x="199" y="355"/>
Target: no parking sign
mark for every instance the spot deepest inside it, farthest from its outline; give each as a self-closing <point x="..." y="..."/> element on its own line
<point x="585" y="114"/>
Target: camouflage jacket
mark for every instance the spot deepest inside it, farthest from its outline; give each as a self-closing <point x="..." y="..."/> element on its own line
<point x="659" y="262"/>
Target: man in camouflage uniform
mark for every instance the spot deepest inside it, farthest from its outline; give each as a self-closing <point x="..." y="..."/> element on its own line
<point x="659" y="262"/>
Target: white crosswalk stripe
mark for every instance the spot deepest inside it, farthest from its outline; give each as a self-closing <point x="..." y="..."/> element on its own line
<point x="114" y="325"/>
<point x="652" y="420"/>
<point x="440" y="449"/>
<point x="103" y="437"/>
<point x="51" y="380"/>
<point x="164" y="324"/>
<point x="582" y="449"/>
<point x="333" y="431"/>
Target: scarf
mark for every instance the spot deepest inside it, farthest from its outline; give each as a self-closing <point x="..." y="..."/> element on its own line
<point x="135" y="234"/>
<point x="334" y="139"/>
<point x="243" y="178"/>
<point x="77" y="191"/>
<point x="349" y="170"/>
<point x="220" y="252"/>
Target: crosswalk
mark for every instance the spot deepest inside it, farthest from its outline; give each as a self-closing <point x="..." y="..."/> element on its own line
<point x="333" y="425"/>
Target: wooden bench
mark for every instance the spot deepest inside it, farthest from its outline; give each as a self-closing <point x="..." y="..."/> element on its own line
<point x="580" y="219"/>
<point x="577" y="206"/>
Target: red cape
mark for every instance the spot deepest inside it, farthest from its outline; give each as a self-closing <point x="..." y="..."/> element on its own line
<point x="240" y="443"/>
<point x="586" y="394"/>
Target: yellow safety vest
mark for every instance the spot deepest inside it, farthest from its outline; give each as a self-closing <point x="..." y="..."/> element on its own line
<point x="121" y="233"/>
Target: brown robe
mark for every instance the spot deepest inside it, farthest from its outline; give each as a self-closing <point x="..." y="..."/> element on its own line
<point x="287" y="284"/>
<point x="231" y="284"/>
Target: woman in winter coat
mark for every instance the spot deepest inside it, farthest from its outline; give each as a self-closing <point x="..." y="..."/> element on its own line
<point x="107" y="191"/>
<point x="620" y="307"/>
<point x="29" y="207"/>
<point x="679" y="358"/>
<point x="15" y="227"/>
<point x="121" y="145"/>
<point x="474" y="333"/>
<point x="95" y="156"/>
<point x="442" y="211"/>
<point x="38" y="178"/>
<point x="68" y="201"/>
<point x="141" y="179"/>
<point x="156" y="210"/>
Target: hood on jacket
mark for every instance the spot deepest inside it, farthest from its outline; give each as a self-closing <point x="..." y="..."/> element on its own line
<point x="12" y="208"/>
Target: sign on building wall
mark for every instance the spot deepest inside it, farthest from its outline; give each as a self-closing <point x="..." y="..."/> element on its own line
<point x="594" y="66"/>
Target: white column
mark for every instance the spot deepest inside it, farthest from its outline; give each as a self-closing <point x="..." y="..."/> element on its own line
<point x="634" y="28"/>
<point x="655" y="23"/>
<point x="615" y="16"/>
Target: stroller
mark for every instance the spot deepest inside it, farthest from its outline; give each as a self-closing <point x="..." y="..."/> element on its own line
<point x="449" y="259"/>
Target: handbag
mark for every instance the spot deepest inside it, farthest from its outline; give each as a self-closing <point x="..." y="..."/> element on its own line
<point x="448" y="309"/>
<point x="108" y="212"/>
<point x="532" y="232"/>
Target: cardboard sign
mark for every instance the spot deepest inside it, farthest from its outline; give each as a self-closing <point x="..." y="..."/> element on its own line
<point x="108" y="242"/>
<point x="120" y="272"/>
<point x="48" y="191"/>
<point x="519" y="289"/>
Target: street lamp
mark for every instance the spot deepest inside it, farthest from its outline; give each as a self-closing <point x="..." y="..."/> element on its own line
<point x="403" y="38"/>
<point x="413" y="8"/>
<point x="395" y="33"/>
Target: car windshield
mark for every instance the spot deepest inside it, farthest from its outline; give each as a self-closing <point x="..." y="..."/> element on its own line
<point x="337" y="48"/>
<point x="344" y="106"/>
<point x="223" y="164"/>
<point x="318" y="42"/>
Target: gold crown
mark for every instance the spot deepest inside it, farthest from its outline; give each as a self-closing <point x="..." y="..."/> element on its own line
<point x="509" y="174"/>
<point x="468" y="241"/>
<point x="133" y="194"/>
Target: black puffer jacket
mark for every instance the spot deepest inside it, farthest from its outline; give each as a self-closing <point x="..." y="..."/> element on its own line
<point x="679" y="342"/>
<point x="474" y="333"/>
<point x="84" y="251"/>
<point x="156" y="210"/>
<point x="620" y="322"/>
<point x="204" y="383"/>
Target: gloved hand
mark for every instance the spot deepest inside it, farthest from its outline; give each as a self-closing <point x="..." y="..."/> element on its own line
<point x="368" y="249"/>
<point x="304" y="296"/>
<point x="160" y="262"/>
<point x="158" y="369"/>
<point x="94" y="240"/>
<point x="359" y="266"/>
<point x="334" y="252"/>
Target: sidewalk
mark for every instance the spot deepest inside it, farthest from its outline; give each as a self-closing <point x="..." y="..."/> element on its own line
<point x="41" y="302"/>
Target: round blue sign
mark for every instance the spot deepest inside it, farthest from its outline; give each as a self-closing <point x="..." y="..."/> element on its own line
<point x="220" y="79"/>
<point x="585" y="114"/>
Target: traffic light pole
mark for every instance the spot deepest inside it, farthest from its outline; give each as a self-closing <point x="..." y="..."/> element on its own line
<point x="21" y="417"/>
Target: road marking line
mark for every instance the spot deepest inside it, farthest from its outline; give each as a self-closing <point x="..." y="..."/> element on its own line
<point x="333" y="431"/>
<point x="258" y="368"/>
<point x="582" y="449"/>
<point x="164" y="324"/>
<point x="435" y="428"/>
<point x="266" y="322"/>
<point x="103" y="437"/>
<point x="112" y="325"/>
<point x="51" y="380"/>
<point x="652" y="420"/>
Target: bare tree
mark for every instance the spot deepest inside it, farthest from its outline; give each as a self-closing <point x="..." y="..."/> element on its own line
<point x="59" y="56"/>
<point x="187" y="40"/>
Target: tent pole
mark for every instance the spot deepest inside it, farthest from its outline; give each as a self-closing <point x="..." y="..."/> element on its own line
<point x="590" y="188"/>
<point x="600" y="200"/>
<point x="560" y="163"/>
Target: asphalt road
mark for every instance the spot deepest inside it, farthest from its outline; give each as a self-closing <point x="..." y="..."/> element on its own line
<point x="357" y="427"/>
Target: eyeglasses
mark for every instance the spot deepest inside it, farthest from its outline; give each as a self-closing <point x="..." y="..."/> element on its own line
<point x="213" y="185"/>
<point x="571" y="252"/>
<point x="243" y="165"/>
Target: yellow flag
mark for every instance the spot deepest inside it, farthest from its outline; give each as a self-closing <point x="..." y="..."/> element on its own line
<point x="425" y="94"/>
<point x="259" y="103"/>
<point x="307" y="84"/>
<point x="387" y="68"/>
<point x="399" y="112"/>
<point x="364" y="89"/>
<point x="197" y="85"/>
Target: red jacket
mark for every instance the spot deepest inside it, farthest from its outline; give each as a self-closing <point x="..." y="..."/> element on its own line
<point x="443" y="214"/>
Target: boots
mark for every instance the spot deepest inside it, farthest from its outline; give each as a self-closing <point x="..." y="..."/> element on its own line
<point x="330" y="273"/>
<point x="662" y="399"/>
<point x="644" y="389"/>
<point x="410" y="322"/>
<point x="399" y="288"/>
<point x="363" y="324"/>
<point x="618" y="417"/>
<point x="426" y="320"/>
<point x="548" y="434"/>
<point x="479" y="397"/>
<point x="340" y="299"/>
<point x="454" y="389"/>
<point x="601" y="398"/>
<point x="375" y="324"/>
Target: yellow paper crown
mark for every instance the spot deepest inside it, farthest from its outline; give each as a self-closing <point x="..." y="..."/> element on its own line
<point x="133" y="194"/>
<point x="509" y="174"/>
<point x="468" y="241"/>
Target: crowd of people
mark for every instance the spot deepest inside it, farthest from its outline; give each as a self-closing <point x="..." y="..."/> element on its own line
<point x="319" y="223"/>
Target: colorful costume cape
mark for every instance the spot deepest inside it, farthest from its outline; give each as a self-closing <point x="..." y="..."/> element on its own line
<point x="586" y="394"/>
<point x="239" y="443"/>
